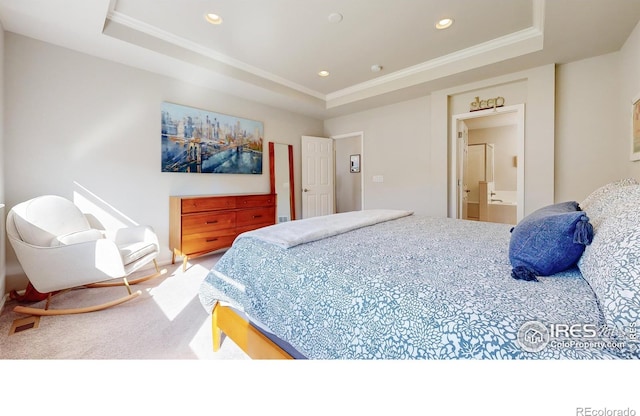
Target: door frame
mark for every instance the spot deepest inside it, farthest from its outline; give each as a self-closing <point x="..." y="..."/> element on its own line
<point x="363" y="166"/>
<point x="456" y="156"/>
<point x="463" y="151"/>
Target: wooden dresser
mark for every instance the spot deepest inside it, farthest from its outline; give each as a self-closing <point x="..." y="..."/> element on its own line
<point x="201" y="224"/>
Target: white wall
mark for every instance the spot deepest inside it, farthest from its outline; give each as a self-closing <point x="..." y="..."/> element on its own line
<point x="396" y="147"/>
<point x="630" y="68"/>
<point x="408" y="143"/>
<point x="79" y="126"/>
<point x="591" y="144"/>
<point x="594" y="120"/>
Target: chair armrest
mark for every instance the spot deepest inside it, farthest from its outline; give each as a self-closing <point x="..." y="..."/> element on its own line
<point x="135" y="234"/>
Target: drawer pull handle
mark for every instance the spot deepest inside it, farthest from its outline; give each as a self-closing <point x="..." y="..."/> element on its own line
<point x="211" y="240"/>
<point x="257" y="216"/>
<point x="212" y="222"/>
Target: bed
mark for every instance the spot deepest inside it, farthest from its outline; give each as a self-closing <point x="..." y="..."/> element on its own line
<point x="389" y="284"/>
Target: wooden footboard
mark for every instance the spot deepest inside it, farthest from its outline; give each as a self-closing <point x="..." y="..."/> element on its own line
<point x="255" y="344"/>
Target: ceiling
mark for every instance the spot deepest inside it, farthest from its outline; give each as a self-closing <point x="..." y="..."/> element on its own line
<point x="271" y="51"/>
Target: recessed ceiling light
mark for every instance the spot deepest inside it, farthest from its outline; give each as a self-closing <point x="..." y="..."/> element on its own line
<point x="444" y="23"/>
<point x="335" y="18"/>
<point x="323" y="73"/>
<point x="213" y="18"/>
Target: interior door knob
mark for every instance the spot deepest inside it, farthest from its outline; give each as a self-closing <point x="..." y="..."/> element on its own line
<point x="305" y="190"/>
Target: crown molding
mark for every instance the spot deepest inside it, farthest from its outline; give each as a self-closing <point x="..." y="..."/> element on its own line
<point x="163" y="35"/>
<point x="509" y="46"/>
<point x="531" y="39"/>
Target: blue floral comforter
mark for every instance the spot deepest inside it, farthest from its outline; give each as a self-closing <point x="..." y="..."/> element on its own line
<point x="409" y="288"/>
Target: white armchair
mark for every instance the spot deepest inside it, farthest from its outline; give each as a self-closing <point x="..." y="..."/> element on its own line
<point x="57" y="249"/>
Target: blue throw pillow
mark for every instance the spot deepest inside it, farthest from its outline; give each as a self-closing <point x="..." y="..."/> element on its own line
<point x="549" y="240"/>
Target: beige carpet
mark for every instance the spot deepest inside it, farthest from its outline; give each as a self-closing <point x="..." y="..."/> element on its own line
<point x="166" y="322"/>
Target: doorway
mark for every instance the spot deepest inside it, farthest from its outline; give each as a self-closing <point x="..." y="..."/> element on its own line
<point x="332" y="174"/>
<point x="348" y="172"/>
<point x="488" y="165"/>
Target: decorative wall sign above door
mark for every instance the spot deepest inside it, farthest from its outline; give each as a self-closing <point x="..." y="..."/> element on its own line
<point x="479" y="104"/>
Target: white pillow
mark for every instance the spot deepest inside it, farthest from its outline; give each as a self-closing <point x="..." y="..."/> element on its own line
<point x="597" y="198"/>
<point x="611" y="265"/>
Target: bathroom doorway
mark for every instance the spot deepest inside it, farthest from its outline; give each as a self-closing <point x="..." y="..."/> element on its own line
<point x="488" y="166"/>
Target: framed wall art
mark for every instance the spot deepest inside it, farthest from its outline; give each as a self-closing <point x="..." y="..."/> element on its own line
<point x="635" y="128"/>
<point x="201" y="141"/>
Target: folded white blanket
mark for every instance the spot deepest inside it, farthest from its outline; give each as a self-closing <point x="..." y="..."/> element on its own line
<point x="290" y="234"/>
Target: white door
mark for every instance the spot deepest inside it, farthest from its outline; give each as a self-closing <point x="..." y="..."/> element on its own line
<point x="317" y="176"/>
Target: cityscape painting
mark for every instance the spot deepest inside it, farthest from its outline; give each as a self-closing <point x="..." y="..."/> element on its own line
<point x="201" y="141"/>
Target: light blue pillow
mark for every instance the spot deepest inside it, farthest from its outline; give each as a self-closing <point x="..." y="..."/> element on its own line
<point x="549" y="240"/>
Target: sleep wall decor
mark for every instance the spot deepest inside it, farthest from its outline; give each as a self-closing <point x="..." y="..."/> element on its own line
<point x="201" y="141"/>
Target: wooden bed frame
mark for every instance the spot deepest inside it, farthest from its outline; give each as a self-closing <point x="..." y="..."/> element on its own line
<point x="224" y="319"/>
<point x="250" y="340"/>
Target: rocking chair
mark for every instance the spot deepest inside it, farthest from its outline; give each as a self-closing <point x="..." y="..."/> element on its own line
<point x="59" y="250"/>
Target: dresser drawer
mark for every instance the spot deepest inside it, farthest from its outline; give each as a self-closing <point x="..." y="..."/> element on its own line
<point x="255" y="217"/>
<point x="202" y="224"/>
<point x="190" y="205"/>
<point x="255" y="201"/>
<point x="208" y="241"/>
<point x="209" y="221"/>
